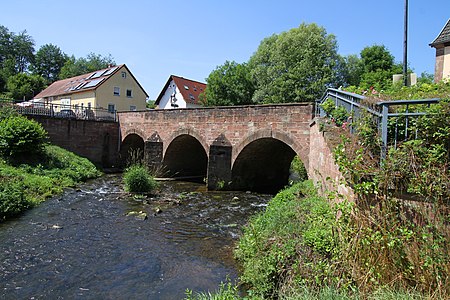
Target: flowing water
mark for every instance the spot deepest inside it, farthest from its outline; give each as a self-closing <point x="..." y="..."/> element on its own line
<point x="85" y="244"/>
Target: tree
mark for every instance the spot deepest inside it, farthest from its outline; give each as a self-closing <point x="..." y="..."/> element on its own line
<point x="6" y="63"/>
<point x="24" y="86"/>
<point x="354" y="69"/>
<point x="48" y="62"/>
<point x="375" y="58"/>
<point x="294" y="66"/>
<point x="93" y="62"/>
<point x="378" y="65"/>
<point x="229" y="84"/>
<point x="22" y="51"/>
<point x="5" y="44"/>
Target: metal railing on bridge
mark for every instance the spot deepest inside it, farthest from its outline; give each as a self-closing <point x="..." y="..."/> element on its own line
<point x="382" y="111"/>
<point x="72" y="112"/>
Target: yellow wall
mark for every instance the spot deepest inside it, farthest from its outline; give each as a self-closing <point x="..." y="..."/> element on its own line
<point x="105" y="92"/>
<point x="446" y="70"/>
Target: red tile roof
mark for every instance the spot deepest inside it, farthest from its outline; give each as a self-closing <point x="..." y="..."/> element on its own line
<point x="189" y="89"/>
<point x="81" y="83"/>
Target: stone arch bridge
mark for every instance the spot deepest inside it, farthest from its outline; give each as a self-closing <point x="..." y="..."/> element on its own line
<point x="239" y="147"/>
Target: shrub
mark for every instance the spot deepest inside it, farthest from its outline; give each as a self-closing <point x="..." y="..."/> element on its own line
<point x="138" y="180"/>
<point x="19" y="135"/>
<point x="12" y="199"/>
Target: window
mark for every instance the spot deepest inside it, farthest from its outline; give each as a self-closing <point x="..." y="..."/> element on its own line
<point x="124" y="75"/>
<point x="186" y="87"/>
<point x="111" y="108"/>
<point x="191" y="97"/>
<point x="132" y="107"/>
<point x="116" y="91"/>
<point x="129" y="94"/>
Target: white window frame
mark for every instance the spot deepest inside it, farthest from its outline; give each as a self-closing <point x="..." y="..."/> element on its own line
<point x="133" y="108"/>
<point x="116" y="91"/>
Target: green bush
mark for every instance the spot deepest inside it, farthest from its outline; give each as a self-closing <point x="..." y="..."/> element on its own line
<point x="12" y="199"/>
<point x="19" y="135"/>
<point x="138" y="180"/>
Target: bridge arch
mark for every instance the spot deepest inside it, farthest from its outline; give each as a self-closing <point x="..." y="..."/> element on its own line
<point x="186" y="131"/>
<point x="186" y="157"/>
<point x="261" y="162"/>
<point x="131" y="149"/>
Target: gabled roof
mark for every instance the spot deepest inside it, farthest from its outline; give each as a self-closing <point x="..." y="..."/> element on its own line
<point x="443" y="37"/>
<point x="82" y="83"/>
<point x="189" y="89"/>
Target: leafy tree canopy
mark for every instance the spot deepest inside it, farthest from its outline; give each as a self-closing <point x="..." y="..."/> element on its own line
<point x="24" y="86"/>
<point x="22" y="51"/>
<point x="229" y="84"/>
<point x="294" y="66"/>
<point x="376" y="58"/>
<point x="48" y="62"/>
<point x="74" y="67"/>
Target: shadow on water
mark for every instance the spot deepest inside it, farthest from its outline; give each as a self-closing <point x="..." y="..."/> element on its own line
<point x="84" y="244"/>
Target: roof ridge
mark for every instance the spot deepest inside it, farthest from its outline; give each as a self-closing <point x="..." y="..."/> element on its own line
<point x="181" y="77"/>
<point x="435" y="41"/>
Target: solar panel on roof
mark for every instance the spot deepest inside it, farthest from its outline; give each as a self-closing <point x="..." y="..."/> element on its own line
<point x="110" y="71"/>
<point x="93" y="83"/>
<point x="79" y="86"/>
<point x="98" y="74"/>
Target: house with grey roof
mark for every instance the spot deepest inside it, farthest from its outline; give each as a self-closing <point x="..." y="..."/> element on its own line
<point x="113" y="88"/>
<point x="442" y="45"/>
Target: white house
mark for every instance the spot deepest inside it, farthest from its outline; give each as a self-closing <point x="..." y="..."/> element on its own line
<point x="179" y="92"/>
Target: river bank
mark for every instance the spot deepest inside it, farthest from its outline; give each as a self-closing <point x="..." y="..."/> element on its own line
<point x="27" y="182"/>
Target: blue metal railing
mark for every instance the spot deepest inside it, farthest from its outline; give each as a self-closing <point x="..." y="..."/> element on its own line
<point x="354" y="103"/>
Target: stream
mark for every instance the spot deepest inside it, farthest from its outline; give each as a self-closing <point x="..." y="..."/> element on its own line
<point x="85" y="243"/>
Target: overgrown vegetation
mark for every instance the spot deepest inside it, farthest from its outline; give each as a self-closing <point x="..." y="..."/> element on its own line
<point x="138" y="180"/>
<point x="26" y="184"/>
<point x="293" y="243"/>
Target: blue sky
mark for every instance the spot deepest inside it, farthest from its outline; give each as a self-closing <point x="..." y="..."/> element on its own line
<point x="191" y="38"/>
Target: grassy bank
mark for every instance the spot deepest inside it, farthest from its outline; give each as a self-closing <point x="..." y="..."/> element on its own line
<point x="28" y="181"/>
<point x="304" y="246"/>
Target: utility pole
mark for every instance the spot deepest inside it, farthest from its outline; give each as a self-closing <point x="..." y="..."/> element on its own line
<point x="405" y="47"/>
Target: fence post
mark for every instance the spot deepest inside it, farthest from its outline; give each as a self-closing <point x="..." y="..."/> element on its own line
<point x="384" y="130"/>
